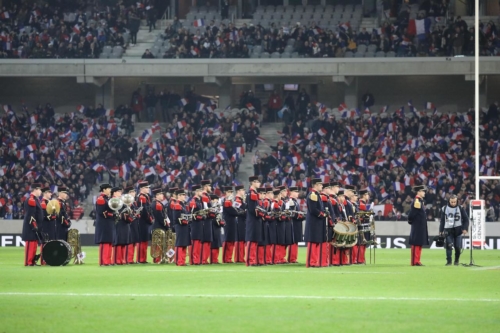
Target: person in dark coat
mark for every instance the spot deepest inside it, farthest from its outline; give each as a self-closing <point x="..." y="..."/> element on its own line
<point x="104" y="226"/>
<point x="297" y="222"/>
<point x="269" y="227"/>
<point x="325" y="198"/>
<point x="334" y="254"/>
<point x="217" y="225"/>
<point x="278" y="255"/>
<point x="289" y="241"/>
<point x="134" y="228"/>
<point x="195" y="206"/>
<point x="33" y="218"/>
<point x="181" y="226"/>
<point x="133" y="25"/>
<point x="417" y="218"/>
<point x="160" y="219"/>
<point x="454" y="224"/>
<point x="63" y="221"/>
<point x="145" y="221"/>
<point x="206" y="240"/>
<point x="253" y="233"/>
<point x="241" y="206"/>
<point x="122" y="232"/>
<point x="230" y="215"/>
<point x="315" y="231"/>
<point x="363" y="206"/>
<point x="48" y="227"/>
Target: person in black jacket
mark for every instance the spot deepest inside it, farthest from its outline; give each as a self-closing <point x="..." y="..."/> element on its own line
<point x="63" y="221"/>
<point x="160" y="218"/>
<point x="417" y="218"/>
<point x="104" y="226"/>
<point x="217" y="225"/>
<point x="230" y="215"/>
<point x="33" y="218"/>
<point x="181" y="225"/>
<point x="454" y="224"/>
<point x="254" y="232"/>
<point x="315" y="231"/>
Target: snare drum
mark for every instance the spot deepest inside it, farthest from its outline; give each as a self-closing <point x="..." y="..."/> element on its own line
<point x="56" y="253"/>
<point x="352" y="234"/>
<point x="340" y="234"/>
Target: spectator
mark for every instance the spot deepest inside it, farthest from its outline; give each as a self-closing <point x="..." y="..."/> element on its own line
<point x="147" y="55"/>
<point x="151" y="100"/>
<point x="274" y="104"/>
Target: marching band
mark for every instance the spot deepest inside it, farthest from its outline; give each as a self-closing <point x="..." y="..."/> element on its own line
<point x="261" y="227"/>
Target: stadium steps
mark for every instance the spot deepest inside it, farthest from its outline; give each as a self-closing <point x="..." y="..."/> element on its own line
<point x="145" y="39"/>
<point x="483" y="19"/>
<point x="369" y="23"/>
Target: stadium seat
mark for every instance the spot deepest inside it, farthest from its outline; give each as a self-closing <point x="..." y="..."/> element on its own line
<point x="275" y="55"/>
<point x="295" y="55"/>
<point x="372" y="48"/>
<point x="359" y="55"/>
<point x="390" y="54"/>
<point x="286" y="55"/>
<point x="380" y="54"/>
<point x="348" y="54"/>
<point x="264" y="55"/>
<point x="362" y="48"/>
<point x="369" y="55"/>
<point x="288" y="49"/>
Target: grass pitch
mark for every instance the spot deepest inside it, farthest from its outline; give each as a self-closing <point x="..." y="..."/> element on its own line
<point x="390" y="296"/>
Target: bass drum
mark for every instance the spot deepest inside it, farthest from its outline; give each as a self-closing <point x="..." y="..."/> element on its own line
<point x="56" y="253"/>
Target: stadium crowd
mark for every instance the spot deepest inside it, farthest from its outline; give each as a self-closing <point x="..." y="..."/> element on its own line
<point x="387" y="151"/>
<point x="68" y="29"/>
<point x="80" y="149"/>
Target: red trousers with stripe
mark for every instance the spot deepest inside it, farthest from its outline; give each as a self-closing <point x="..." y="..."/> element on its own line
<point x="239" y="252"/>
<point x="205" y="252"/>
<point x="268" y="256"/>
<point x="30" y="252"/>
<point x="195" y="252"/>
<point x="142" y="252"/>
<point x="279" y="253"/>
<point x="180" y="255"/>
<point x="131" y="248"/>
<point x="325" y="251"/>
<point x="416" y="252"/>
<point x="334" y="256"/>
<point x="293" y="252"/>
<point x="317" y="255"/>
<point x="120" y="254"/>
<point x="42" y="262"/>
<point x="360" y="257"/>
<point x="227" y="252"/>
<point x="105" y="254"/>
<point x="354" y="254"/>
<point x="252" y="250"/>
<point x="261" y="255"/>
<point x="344" y="258"/>
<point x="214" y="256"/>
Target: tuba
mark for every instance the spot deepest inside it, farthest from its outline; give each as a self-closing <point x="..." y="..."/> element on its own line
<point x="53" y="207"/>
<point x="163" y="245"/>
<point x="76" y="246"/>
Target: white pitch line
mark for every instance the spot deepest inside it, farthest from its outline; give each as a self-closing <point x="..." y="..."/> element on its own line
<point x="346" y="298"/>
<point x="486" y="268"/>
<point x="187" y="270"/>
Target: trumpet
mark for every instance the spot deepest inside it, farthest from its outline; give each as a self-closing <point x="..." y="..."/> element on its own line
<point x="188" y="217"/>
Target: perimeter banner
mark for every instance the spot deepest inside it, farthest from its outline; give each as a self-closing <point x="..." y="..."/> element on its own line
<point x="478" y="222"/>
<point x="386" y="242"/>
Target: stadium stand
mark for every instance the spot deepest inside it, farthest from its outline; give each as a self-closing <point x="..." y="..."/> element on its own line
<point x="90" y="145"/>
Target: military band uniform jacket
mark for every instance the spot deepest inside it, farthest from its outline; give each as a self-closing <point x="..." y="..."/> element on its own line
<point x="105" y="221"/>
<point x="254" y="230"/>
<point x="33" y="218"/>
<point x="315" y="231"/>
<point x="417" y="218"/>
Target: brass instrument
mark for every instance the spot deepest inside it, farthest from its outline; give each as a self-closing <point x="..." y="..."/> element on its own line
<point x="163" y="245"/>
<point x="116" y="204"/>
<point x="189" y="217"/>
<point x="76" y="246"/>
<point x="53" y="207"/>
<point x="128" y="200"/>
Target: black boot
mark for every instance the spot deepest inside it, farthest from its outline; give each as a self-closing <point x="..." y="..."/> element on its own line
<point x="457" y="257"/>
<point x="448" y="257"/>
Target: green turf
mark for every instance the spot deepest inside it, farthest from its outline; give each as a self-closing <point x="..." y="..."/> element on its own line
<point x="390" y="296"/>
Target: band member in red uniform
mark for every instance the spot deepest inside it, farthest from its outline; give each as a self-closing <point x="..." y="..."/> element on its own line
<point x="325" y="198"/>
<point x="350" y="210"/>
<point x="63" y="220"/>
<point x="297" y="222"/>
<point x="145" y="221"/>
<point x="240" y="205"/>
<point x="33" y="218"/>
<point x="341" y="201"/>
<point x="337" y="211"/>
<point x="122" y="231"/>
<point x="253" y="233"/>
<point x="217" y="225"/>
<point x="278" y="255"/>
<point x="196" y="206"/>
<point x="364" y="207"/>
<point x="269" y="226"/>
<point x="206" y="240"/>
<point x="315" y="231"/>
<point x="181" y="226"/>
<point x="48" y="227"/>
<point x="417" y="218"/>
<point x="134" y="227"/>
<point x="230" y="215"/>
<point x="263" y="208"/>
<point x="159" y="215"/>
<point x="104" y="226"/>
<point x="287" y="225"/>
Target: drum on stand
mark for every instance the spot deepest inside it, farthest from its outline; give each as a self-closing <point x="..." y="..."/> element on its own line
<point x="56" y="253"/>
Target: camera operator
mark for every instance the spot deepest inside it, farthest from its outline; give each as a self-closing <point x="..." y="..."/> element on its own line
<point x="454" y="224"/>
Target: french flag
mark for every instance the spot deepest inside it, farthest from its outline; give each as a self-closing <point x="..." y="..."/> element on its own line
<point x="419" y="27"/>
<point x="345" y="26"/>
<point x="385" y="209"/>
<point x="155" y="127"/>
<point x="181" y="124"/>
<point x="234" y="127"/>
<point x="33" y="119"/>
<point x="420" y="158"/>
<point x="147" y="135"/>
<point x="199" y="23"/>
<point x="148" y="172"/>
<point x="374" y="179"/>
<point x="181" y="159"/>
<point x="198" y="165"/>
<point x="109" y="113"/>
<point x="199" y="106"/>
<point x="361" y="162"/>
<point x="384" y="108"/>
<point x="80" y="108"/>
<point x="31" y="147"/>
<point x="76" y="29"/>
<point x="261" y="139"/>
<point x="183" y="102"/>
<point x="429" y="106"/>
<point x="192" y="172"/>
<point x="398" y="186"/>
<point x="250" y="107"/>
<point x="383" y="193"/>
<point x="322" y="132"/>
